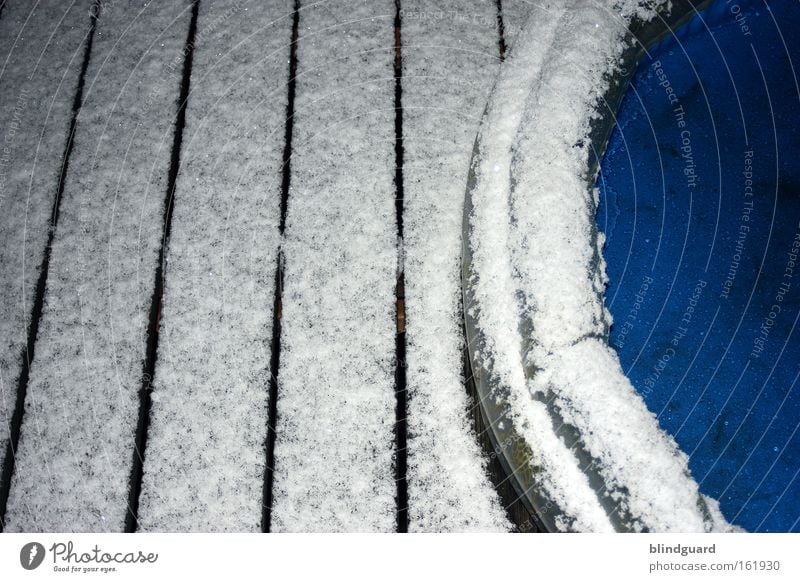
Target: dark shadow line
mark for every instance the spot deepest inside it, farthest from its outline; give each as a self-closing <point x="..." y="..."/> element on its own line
<point x="151" y="355"/>
<point x="401" y="393"/>
<point x="275" y="343"/>
<point x="28" y="353"/>
<point x="500" y="475"/>
<point x="501" y="30"/>
<point x="516" y="512"/>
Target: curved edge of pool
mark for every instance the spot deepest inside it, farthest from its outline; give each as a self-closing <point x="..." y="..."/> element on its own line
<point x="553" y="503"/>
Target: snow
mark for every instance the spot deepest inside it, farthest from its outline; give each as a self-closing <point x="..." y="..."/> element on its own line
<point x="494" y="287"/>
<point x="43" y="51"/>
<point x="540" y="280"/>
<point x="336" y="404"/>
<point x="703" y="287"/>
<point x="450" y="59"/>
<point x="205" y="456"/>
<point x="76" y="445"/>
<point x="644" y="471"/>
<point x="536" y="292"/>
<point x="515" y="14"/>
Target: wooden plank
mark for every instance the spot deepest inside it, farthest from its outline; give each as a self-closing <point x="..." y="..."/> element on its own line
<point x="205" y="456"/>
<point x="335" y="442"/>
<point x="75" y="451"/>
<point x="514" y="14"/>
<point x="450" y="60"/>
<point x="43" y="50"/>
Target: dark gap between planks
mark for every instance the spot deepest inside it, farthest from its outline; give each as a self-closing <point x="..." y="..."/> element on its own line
<point x="28" y="353"/>
<point x="151" y="355"/>
<point x="401" y="393"/>
<point x="275" y="343"/>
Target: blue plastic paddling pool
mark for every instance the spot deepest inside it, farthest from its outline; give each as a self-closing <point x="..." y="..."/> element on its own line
<point x="700" y="204"/>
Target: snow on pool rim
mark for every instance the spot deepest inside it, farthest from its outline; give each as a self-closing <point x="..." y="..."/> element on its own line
<point x="533" y="288"/>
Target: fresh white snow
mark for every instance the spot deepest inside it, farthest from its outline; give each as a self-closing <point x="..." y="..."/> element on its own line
<point x="43" y="50"/>
<point x="205" y="454"/>
<point x="76" y="446"/>
<point x="336" y="404"/>
<point x="515" y="15"/>
<point x="494" y="286"/>
<point x="554" y="251"/>
<point x="450" y="60"/>
<point x="537" y="284"/>
<point x="539" y="280"/>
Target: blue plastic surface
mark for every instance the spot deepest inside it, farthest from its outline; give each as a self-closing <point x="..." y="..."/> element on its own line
<point x="700" y="203"/>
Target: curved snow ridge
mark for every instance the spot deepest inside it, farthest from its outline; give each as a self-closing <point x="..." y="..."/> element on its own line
<point x="493" y="292"/>
<point x="538" y="293"/>
<point x="645" y="473"/>
<point x="552" y="257"/>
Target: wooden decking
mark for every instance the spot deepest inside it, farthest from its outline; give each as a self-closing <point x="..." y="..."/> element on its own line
<point x="231" y="266"/>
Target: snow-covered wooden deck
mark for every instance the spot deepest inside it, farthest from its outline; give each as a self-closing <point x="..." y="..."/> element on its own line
<point x="230" y="289"/>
